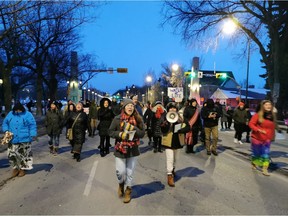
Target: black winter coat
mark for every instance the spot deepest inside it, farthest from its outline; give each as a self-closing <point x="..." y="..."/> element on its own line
<point x="156" y="124"/>
<point x="105" y="116"/>
<point x="188" y="113"/>
<point x="54" y="122"/>
<point x="80" y="126"/>
<point x="210" y="122"/>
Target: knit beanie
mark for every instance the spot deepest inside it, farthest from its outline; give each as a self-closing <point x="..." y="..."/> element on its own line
<point x="127" y="101"/>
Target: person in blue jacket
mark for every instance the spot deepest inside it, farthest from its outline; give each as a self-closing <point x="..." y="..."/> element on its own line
<point x="23" y="126"/>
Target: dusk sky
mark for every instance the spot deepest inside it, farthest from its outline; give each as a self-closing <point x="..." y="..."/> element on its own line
<point x="127" y="34"/>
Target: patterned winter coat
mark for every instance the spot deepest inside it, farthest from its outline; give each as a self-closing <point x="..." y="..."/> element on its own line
<point x="22" y="125"/>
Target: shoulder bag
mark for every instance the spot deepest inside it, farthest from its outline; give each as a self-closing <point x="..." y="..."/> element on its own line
<point x="70" y="130"/>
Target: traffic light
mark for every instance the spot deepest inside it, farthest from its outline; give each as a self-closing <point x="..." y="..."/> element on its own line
<point x="189" y="74"/>
<point x="221" y="75"/>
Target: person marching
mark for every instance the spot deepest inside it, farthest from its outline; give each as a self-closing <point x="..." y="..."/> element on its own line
<point x="240" y="117"/>
<point x="126" y="150"/>
<point x="192" y="115"/>
<point x="210" y="115"/>
<point x="92" y="116"/>
<point x="78" y="121"/>
<point x="53" y="123"/>
<point x="262" y="124"/>
<point x="159" y="113"/>
<point x="105" y="116"/>
<point x="22" y="125"/>
<point x="148" y="121"/>
<point x="172" y="143"/>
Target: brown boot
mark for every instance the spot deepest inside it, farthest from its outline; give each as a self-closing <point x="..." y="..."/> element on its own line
<point x="171" y="180"/>
<point x="121" y="190"/>
<point x="21" y="173"/>
<point x="127" y="196"/>
<point x="265" y="171"/>
<point x="55" y="151"/>
<point x="15" y="172"/>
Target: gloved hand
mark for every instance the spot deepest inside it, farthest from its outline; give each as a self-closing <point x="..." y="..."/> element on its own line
<point x="128" y="126"/>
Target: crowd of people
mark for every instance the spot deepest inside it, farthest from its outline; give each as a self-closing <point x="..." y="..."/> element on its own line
<point x="168" y="127"/>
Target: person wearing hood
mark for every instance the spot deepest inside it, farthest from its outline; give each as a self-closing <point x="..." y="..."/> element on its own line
<point x="210" y="115"/>
<point x="241" y="119"/>
<point x="22" y="125"/>
<point x="192" y="115"/>
<point x="78" y="121"/>
<point x="126" y="150"/>
<point x="171" y="140"/>
<point x="159" y="113"/>
<point x="53" y="123"/>
<point x="105" y="116"/>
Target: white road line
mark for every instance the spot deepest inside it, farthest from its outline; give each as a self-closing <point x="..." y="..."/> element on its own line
<point x="90" y="179"/>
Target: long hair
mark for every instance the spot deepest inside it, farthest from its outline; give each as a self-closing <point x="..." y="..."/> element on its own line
<point x="261" y="112"/>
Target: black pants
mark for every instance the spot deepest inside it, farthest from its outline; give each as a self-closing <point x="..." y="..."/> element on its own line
<point x="239" y="129"/>
<point x="104" y="146"/>
<point x="157" y="142"/>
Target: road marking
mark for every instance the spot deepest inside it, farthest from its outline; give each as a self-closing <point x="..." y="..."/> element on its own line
<point x="90" y="179"/>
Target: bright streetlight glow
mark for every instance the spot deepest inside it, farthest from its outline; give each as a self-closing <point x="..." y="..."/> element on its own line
<point x="229" y="27"/>
<point x="175" y="67"/>
<point x="148" y="79"/>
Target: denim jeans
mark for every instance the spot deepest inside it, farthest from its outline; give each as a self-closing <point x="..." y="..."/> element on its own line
<point x="54" y="140"/>
<point x="124" y="169"/>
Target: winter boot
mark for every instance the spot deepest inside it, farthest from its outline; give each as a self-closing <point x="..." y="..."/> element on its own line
<point x="160" y="148"/>
<point x="15" y="172"/>
<point x="121" y="190"/>
<point x="265" y="171"/>
<point x="127" y="195"/>
<point x="55" y="151"/>
<point x="155" y="147"/>
<point x="170" y="180"/>
<point x="21" y="173"/>
<point x="77" y="157"/>
<point x="247" y="139"/>
<point x="51" y="149"/>
<point x="93" y="131"/>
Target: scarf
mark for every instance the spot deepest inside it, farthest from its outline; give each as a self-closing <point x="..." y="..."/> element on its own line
<point x="123" y="145"/>
<point x="159" y="112"/>
<point x="188" y="136"/>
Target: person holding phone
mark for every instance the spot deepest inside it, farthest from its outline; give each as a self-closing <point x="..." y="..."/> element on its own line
<point x="210" y="116"/>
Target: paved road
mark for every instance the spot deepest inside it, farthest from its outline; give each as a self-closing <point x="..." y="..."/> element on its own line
<point x="204" y="184"/>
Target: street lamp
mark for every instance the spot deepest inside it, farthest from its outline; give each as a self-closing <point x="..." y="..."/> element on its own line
<point x="229" y="28"/>
<point x="162" y="93"/>
<point x="149" y="81"/>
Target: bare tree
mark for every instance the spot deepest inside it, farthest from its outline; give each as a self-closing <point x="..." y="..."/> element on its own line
<point x="264" y="23"/>
<point x="34" y="29"/>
